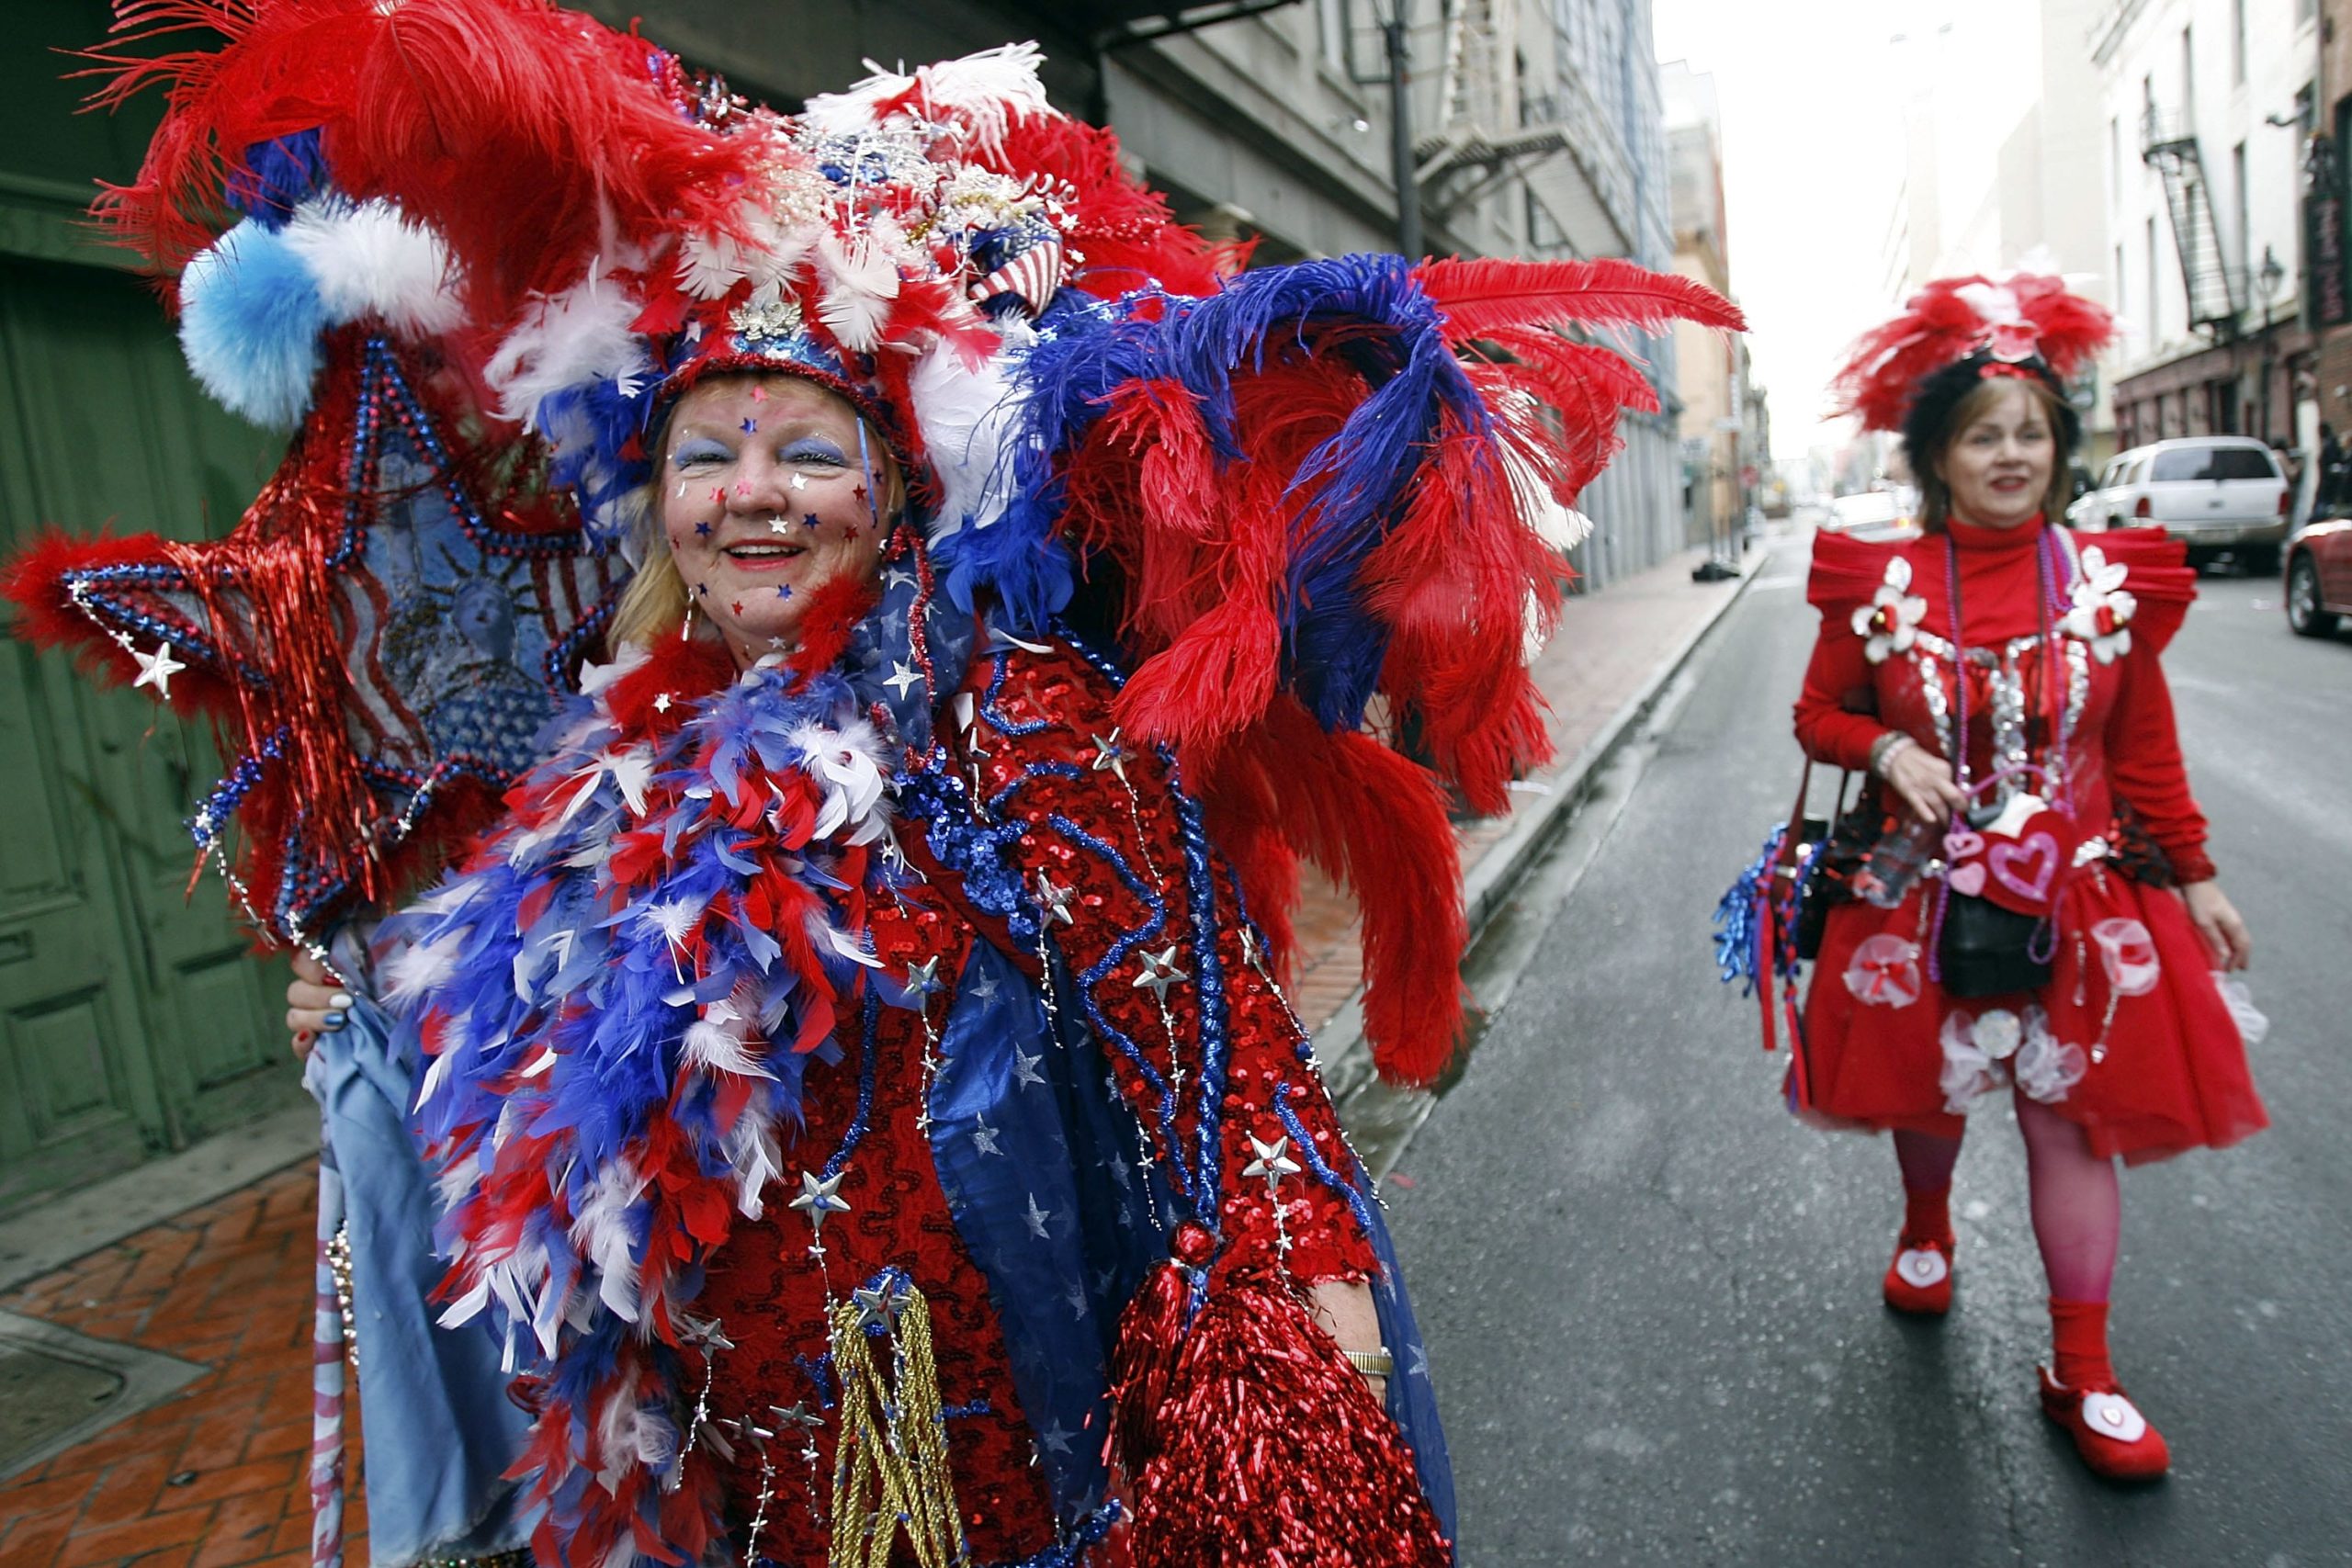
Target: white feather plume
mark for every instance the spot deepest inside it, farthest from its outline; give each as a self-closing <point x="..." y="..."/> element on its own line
<point x="981" y="90"/>
<point x="860" y="280"/>
<point x="370" y="259"/>
<point x="967" y="418"/>
<point x="569" y="340"/>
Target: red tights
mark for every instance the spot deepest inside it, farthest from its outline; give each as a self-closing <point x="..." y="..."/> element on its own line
<point x="2078" y="1222"/>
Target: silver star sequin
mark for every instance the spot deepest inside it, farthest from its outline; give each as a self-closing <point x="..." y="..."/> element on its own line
<point x="818" y="1199"/>
<point x="903" y="676"/>
<point x="922" y="978"/>
<point x="877" y="1305"/>
<point x="1160" y="972"/>
<point x="1271" y="1163"/>
<point x="1056" y="901"/>
<point x="1111" y="755"/>
<point x="156" y="670"/>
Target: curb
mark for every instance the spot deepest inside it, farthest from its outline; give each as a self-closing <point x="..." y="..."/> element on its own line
<point x="1347" y="1059"/>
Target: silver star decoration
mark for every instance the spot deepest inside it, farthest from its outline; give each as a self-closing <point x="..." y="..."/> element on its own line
<point x="1250" y="949"/>
<point x="704" y="1332"/>
<point x="1119" y="1168"/>
<point x="798" y="1415"/>
<point x="1057" y="1438"/>
<point x="156" y="670"/>
<point x="898" y="577"/>
<point x="1035" y="1218"/>
<point x="1417" y="1361"/>
<point x="985" y="988"/>
<point x="1272" y="1162"/>
<point x="662" y="703"/>
<point x="1111" y="755"/>
<point x="776" y="524"/>
<point x="922" y="978"/>
<point x="1160" y="972"/>
<point x="984" y="1137"/>
<point x="1024" y="1067"/>
<point x="818" y="1199"/>
<point x="903" y="677"/>
<point x="877" y="1305"/>
<point x="1076" y="1296"/>
<point x="1056" y="900"/>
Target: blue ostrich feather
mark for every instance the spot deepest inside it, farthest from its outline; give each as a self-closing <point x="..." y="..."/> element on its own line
<point x="249" y="318"/>
<point x="278" y="176"/>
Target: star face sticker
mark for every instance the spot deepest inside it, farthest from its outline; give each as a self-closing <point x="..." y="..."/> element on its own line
<point x="702" y="529"/>
<point x="778" y="525"/>
<point x="156" y="670"/>
<point x="819" y="1200"/>
<point x="1160" y="972"/>
<point x="1056" y="901"/>
<point x="784" y="591"/>
<point x="751" y="427"/>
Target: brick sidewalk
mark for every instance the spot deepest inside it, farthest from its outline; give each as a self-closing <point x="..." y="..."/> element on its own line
<point x="216" y="1477"/>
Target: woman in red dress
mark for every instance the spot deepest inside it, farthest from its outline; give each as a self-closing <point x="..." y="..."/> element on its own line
<point x="1999" y="681"/>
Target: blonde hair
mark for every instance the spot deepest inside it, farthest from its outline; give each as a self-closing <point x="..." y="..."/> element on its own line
<point x="1935" y="495"/>
<point x="654" y="603"/>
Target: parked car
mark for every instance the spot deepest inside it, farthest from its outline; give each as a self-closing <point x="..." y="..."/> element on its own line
<point x="2214" y="493"/>
<point x="1869" y="515"/>
<point x="2319" y="577"/>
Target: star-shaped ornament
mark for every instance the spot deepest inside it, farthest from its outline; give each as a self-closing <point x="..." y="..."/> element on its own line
<point x="662" y="701"/>
<point x="1109" y="754"/>
<point x="877" y="1305"/>
<point x="429" y="560"/>
<point x="1160" y="972"/>
<point x="903" y="677"/>
<point x="1056" y="901"/>
<point x="922" y="978"/>
<point x="779" y="524"/>
<point x="156" y="670"/>
<point x="819" y="1200"/>
<point x="1273" y="1163"/>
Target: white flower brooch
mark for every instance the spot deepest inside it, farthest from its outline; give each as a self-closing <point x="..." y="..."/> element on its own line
<point x="2102" y="612"/>
<point x="1891" y="620"/>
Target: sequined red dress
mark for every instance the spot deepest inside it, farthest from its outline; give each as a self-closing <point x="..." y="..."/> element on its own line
<point x="2131" y="1038"/>
<point x="1038" y="745"/>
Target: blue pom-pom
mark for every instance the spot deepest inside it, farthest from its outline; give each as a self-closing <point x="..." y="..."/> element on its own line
<point x="249" y="320"/>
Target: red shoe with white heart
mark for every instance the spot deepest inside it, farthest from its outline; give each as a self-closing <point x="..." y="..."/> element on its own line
<point x="2110" y="1434"/>
<point x="1919" y="1280"/>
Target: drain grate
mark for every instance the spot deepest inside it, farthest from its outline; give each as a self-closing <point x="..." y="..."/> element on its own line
<point x="59" y="1388"/>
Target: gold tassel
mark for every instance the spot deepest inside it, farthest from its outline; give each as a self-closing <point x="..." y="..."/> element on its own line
<point x="890" y="1468"/>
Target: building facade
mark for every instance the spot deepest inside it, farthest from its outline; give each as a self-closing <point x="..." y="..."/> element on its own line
<point x="2210" y="110"/>
<point x="1723" y="446"/>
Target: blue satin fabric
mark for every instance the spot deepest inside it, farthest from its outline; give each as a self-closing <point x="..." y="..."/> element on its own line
<point x="440" y="1430"/>
<point x="1042" y="1163"/>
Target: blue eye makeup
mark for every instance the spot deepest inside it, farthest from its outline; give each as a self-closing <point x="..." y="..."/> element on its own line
<point x="699" y="449"/>
<point x="814" y="450"/>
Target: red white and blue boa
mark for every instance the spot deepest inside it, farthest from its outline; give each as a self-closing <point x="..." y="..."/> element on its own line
<point x="617" y="996"/>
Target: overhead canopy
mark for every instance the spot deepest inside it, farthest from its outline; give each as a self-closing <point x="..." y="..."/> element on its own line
<point x="1110" y="23"/>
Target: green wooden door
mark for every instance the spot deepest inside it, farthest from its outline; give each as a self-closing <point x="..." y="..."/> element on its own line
<point x="133" y="1018"/>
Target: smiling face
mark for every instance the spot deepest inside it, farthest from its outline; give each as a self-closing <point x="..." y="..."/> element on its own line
<point x="766" y="494"/>
<point x="1999" y="464"/>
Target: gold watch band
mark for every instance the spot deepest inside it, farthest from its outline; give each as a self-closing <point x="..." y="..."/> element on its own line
<point x="1372" y="1363"/>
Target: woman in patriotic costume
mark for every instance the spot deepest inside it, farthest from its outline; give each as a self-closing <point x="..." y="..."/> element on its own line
<point x="1998" y="678"/>
<point x="857" y="1067"/>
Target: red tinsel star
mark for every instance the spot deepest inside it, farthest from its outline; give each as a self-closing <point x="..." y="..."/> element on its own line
<point x="375" y="642"/>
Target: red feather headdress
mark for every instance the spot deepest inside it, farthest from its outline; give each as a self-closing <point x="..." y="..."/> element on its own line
<point x="2018" y="320"/>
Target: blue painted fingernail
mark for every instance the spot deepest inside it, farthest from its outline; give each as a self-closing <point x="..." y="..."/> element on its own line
<point x="334" y="1021"/>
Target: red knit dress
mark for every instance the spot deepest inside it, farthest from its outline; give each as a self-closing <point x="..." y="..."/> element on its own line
<point x="2130" y="1037"/>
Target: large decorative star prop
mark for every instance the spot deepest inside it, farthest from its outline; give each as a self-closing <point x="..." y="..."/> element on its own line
<point x="380" y="636"/>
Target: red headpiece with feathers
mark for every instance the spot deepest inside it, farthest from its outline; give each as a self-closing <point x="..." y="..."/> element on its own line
<point x="2021" y="320"/>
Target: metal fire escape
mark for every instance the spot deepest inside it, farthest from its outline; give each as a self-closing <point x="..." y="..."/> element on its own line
<point x="2215" y="290"/>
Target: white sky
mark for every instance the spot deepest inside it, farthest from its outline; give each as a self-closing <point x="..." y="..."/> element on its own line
<point x="1812" y="95"/>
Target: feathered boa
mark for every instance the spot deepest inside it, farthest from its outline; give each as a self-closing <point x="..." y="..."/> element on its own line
<point x="616" y="998"/>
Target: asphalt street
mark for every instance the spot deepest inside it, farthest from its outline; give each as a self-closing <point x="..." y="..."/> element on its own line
<point x="1652" y="1298"/>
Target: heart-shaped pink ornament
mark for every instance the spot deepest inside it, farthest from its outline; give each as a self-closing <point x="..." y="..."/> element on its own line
<point x="2026" y="867"/>
<point x="1962" y="843"/>
<point x="1967" y="879"/>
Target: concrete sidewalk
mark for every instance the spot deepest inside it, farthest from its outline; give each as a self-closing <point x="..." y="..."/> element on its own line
<point x="214" y="1475"/>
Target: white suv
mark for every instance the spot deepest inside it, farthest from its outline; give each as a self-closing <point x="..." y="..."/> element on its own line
<point x="2214" y="493"/>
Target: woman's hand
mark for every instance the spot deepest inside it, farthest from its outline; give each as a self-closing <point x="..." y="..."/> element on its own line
<point x="315" y="1005"/>
<point x="2218" y="921"/>
<point x="1343" y="1309"/>
<point x="1923" y="782"/>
